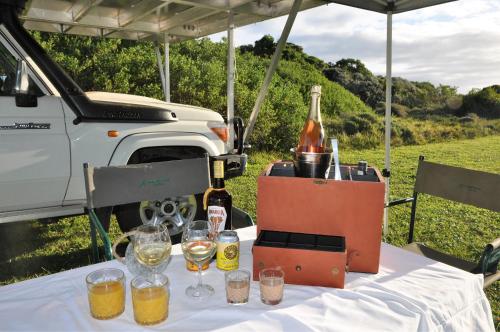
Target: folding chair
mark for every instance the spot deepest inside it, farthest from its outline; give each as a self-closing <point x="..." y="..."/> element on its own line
<point x="241" y="219"/>
<point x="462" y="185"/>
<point x="117" y="185"/>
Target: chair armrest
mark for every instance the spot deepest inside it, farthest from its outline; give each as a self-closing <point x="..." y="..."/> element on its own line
<point x="490" y="257"/>
<point x="495" y="244"/>
<point x="400" y="201"/>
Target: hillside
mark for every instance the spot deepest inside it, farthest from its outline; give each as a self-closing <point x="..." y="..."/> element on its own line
<point x="198" y="77"/>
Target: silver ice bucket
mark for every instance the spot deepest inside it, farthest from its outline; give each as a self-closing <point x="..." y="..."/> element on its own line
<point x="312" y="164"/>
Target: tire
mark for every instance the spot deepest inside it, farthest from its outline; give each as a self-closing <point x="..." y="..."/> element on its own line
<point x="130" y="215"/>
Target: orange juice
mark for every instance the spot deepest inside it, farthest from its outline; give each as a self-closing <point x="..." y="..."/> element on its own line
<point x="150" y="305"/>
<point x="107" y="299"/>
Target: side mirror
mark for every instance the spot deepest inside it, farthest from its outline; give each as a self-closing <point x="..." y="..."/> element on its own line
<point x="21" y="87"/>
<point x="22" y="79"/>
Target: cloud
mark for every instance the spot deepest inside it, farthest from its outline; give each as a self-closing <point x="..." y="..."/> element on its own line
<point x="457" y="43"/>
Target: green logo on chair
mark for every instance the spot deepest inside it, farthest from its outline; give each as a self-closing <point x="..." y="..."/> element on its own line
<point x="154" y="182"/>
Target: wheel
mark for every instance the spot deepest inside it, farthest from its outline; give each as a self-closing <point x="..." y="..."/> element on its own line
<point x="174" y="211"/>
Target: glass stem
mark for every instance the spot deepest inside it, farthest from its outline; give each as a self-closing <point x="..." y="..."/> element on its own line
<point x="200" y="268"/>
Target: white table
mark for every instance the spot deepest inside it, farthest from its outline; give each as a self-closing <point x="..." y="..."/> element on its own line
<point x="410" y="293"/>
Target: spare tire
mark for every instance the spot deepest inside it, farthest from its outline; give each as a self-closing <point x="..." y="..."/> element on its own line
<point x="176" y="212"/>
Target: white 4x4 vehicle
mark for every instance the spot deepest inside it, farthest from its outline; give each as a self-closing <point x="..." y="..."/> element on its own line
<point x="49" y="127"/>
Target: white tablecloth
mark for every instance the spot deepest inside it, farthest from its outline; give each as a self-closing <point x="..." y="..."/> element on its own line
<point x="410" y="293"/>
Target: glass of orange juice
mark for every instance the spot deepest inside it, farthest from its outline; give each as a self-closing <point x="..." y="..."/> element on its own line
<point x="150" y="297"/>
<point x="106" y="291"/>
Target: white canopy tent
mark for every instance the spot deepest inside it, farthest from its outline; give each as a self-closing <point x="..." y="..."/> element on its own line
<point x="170" y="21"/>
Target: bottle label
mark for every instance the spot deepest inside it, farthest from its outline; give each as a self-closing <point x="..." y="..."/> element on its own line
<point x="219" y="169"/>
<point x="216" y="218"/>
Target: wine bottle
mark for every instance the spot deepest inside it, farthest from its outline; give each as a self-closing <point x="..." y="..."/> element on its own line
<point x="312" y="138"/>
<point x="218" y="202"/>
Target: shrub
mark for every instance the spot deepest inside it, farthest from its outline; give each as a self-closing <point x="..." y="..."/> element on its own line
<point x="350" y="127"/>
<point x="399" y="110"/>
<point x="396" y="109"/>
<point x="485" y="102"/>
<point x="408" y="136"/>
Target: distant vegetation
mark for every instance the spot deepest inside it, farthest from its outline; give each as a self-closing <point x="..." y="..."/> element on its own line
<point x="484" y="103"/>
<point x="352" y="102"/>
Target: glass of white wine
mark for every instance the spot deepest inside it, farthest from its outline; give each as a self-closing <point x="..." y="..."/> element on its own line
<point x="152" y="244"/>
<point x="198" y="247"/>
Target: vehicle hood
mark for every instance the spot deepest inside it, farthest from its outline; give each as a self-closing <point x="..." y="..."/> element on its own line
<point x="183" y="112"/>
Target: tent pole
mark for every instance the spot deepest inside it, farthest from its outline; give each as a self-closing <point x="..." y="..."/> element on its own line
<point x="388" y="103"/>
<point x="230" y="79"/>
<point x="272" y="68"/>
<point x="160" y="67"/>
<point x="166" y="87"/>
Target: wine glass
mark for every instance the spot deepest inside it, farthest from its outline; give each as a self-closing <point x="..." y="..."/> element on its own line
<point x="198" y="246"/>
<point x="152" y="245"/>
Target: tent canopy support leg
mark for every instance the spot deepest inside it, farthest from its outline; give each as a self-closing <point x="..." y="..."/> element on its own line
<point x="166" y="88"/>
<point x="272" y="68"/>
<point x="164" y="70"/>
<point x="230" y="80"/>
<point x="388" y="103"/>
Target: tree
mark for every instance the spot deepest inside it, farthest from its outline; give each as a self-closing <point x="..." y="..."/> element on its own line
<point x="264" y="46"/>
<point x="484" y="102"/>
<point x="354" y="76"/>
<point x="353" y="66"/>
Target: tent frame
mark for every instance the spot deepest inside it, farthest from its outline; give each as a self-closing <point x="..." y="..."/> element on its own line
<point x="388" y="116"/>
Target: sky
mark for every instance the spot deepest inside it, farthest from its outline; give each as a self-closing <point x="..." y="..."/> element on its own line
<point x="457" y="43"/>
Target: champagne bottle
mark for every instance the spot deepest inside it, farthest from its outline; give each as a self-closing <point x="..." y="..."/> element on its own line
<point x="312" y="138"/>
<point x="218" y="202"/>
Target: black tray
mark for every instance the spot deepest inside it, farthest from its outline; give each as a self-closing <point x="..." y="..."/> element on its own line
<point x="279" y="239"/>
<point x="347" y="173"/>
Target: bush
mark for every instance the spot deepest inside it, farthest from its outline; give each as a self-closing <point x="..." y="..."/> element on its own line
<point x="351" y="127"/>
<point x="485" y="102"/>
<point x="396" y="110"/>
<point x="399" y="110"/>
<point x="408" y="136"/>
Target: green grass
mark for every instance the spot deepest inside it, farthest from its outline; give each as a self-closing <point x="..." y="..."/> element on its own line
<point x="32" y="249"/>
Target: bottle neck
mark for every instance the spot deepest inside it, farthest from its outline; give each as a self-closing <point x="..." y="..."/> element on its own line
<point x="314" y="113"/>
<point x="218" y="183"/>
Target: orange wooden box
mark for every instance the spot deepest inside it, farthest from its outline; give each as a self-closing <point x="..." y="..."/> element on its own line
<point x="353" y="209"/>
<point x="306" y="259"/>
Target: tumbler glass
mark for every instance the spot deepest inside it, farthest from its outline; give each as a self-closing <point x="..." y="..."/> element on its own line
<point x="271" y="282"/>
<point x="237" y="286"/>
<point x="150" y="296"/>
<point x="106" y="292"/>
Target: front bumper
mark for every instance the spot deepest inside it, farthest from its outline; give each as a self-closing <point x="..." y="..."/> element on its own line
<point x="234" y="164"/>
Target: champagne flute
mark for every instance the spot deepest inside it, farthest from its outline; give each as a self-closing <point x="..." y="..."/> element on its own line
<point x="152" y="245"/>
<point x="198" y="246"/>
